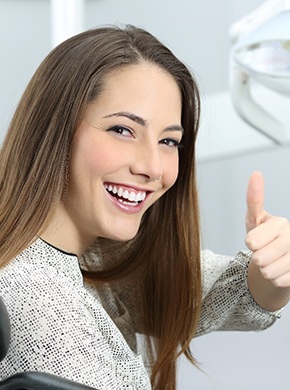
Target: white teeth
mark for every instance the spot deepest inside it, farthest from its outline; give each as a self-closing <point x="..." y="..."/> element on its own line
<point x="120" y="191"/>
<point x="126" y="194"/>
<point x="130" y="196"/>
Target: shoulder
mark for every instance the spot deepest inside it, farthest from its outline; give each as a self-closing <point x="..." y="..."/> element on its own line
<point x="38" y="276"/>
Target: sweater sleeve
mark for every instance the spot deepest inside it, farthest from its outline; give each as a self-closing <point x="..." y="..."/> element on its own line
<point x="227" y="301"/>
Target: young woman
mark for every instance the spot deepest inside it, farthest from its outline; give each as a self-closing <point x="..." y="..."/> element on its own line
<point x="99" y="221"/>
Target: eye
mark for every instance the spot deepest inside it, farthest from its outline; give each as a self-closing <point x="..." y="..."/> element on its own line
<point x="172" y="143"/>
<point x="122" y="131"/>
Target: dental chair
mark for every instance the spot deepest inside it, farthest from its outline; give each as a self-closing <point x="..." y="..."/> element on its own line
<point x="29" y="380"/>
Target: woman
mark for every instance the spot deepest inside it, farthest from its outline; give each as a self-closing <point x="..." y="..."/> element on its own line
<point x="98" y="173"/>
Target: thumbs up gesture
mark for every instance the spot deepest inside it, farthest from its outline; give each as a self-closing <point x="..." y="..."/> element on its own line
<point x="268" y="237"/>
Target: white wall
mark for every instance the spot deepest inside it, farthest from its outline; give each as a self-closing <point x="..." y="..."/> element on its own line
<point x="24" y="41"/>
<point x="235" y="360"/>
<point x="197" y="31"/>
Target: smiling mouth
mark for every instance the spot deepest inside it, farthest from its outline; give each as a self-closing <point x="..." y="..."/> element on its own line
<point x="125" y="196"/>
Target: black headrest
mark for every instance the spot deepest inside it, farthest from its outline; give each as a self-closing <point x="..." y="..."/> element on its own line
<point x="4" y="330"/>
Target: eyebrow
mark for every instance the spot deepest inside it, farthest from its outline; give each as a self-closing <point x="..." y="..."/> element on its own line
<point x="142" y="121"/>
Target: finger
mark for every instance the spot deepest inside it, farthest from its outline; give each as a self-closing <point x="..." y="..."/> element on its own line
<point x="282" y="281"/>
<point x="277" y="269"/>
<point x="275" y="234"/>
<point x="269" y="254"/>
<point x="255" y="201"/>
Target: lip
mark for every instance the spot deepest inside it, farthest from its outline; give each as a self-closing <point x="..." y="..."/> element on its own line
<point x="124" y="204"/>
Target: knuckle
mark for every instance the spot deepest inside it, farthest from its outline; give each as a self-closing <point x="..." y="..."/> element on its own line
<point x="265" y="273"/>
<point x="258" y="260"/>
<point x="277" y="283"/>
<point x="250" y="242"/>
<point x="283" y="222"/>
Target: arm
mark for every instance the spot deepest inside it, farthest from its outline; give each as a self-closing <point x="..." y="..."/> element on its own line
<point x="269" y="240"/>
<point x="227" y="302"/>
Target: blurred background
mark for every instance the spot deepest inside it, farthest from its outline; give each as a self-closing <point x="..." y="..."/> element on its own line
<point x="229" y="150"/>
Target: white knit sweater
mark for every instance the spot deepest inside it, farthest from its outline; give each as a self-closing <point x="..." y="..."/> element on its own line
<point x="63" y="326"/>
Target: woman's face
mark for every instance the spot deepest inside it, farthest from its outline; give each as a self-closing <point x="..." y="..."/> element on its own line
<point x="124" y="155"/>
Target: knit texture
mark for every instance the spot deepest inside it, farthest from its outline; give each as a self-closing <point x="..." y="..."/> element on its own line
<point x="64" y="326"/>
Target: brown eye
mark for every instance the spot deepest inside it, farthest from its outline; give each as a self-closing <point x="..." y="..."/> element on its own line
<point x="121" y="130"/>
<point x="171" y="142"/>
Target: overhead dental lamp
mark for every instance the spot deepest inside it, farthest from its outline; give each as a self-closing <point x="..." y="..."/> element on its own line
<point x="261" y="55"/>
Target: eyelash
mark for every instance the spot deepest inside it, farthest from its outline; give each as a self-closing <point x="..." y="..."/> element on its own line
<point x="120" y="129"/>
<point x="170" y="142"/>
<point x="176" y="144"/>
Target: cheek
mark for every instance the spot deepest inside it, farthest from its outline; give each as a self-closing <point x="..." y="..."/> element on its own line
<point x="93" y="154"/>
<point x="94" y="161"/>
<point x="170" y="172"/>
<point x="100" y="162"/>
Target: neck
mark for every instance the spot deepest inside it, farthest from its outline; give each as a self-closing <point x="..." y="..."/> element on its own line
<point x="62" y="234"/>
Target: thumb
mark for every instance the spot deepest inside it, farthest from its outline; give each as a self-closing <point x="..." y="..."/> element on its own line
<point x="255" y="201"/>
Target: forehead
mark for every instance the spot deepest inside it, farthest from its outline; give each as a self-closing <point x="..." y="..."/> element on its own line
<point x="140" y="84"/>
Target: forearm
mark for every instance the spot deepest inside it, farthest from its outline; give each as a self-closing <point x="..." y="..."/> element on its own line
<point x="227" y="302"/>
<point x="264" y="292"/>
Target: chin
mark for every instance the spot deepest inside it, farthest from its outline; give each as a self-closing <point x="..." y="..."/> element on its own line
<point x="122" y="236"/>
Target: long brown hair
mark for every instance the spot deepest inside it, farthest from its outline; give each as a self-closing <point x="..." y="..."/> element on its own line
<point x="33" y="178"/>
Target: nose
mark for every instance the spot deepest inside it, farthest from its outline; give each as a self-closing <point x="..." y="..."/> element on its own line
<point x="148" y="163"/>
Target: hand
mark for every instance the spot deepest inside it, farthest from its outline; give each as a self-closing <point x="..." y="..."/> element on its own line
<point x="268" y="236"/>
